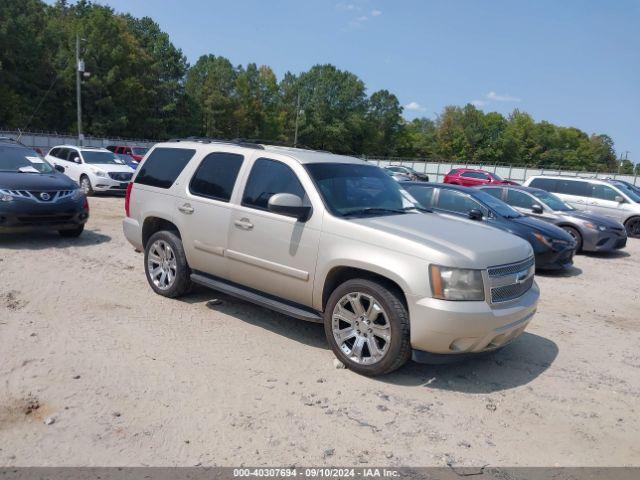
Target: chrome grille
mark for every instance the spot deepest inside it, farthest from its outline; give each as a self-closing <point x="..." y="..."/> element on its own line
<point x="511" y="281"/>
<point x="41" y="196"/>
<point x="509" y="292"/>
<point x="121" y="176"/>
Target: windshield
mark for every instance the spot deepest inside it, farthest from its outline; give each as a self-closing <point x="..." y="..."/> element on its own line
<point x="551" y="201"/>
<point x="496" y="205"/>
<point x="497" y="177"/>
<point x="630" y="192"/>
<point x="140" y="150"/>
<point x="98" y="157"/>
<point x="355" y="189"/>
<point x="22" y="159"/>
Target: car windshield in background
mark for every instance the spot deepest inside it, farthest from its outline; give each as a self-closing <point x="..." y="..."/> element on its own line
<point x="496" y="205"/>
<point x="553" y="202"/>
<point x="103" y="158"/>
<point x="630" y="192"/>
<point x="25" y="160"/>
<point x="497" y="177"/>
<point x="139" y="150"/>
<point x="354" y="189"/>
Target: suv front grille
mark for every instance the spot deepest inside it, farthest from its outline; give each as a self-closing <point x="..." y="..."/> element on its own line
<point x="511" y="281"/>
<point x="41" y="196"/>
<point x="121" y="176"/>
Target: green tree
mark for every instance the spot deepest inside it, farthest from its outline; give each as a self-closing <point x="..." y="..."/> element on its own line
<point x="382" y="123"/>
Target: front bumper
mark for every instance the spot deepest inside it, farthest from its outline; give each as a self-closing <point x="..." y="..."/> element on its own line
<point x="108" y="184"/>
<point x="555" y="259"/>
<point x="27" y="216"/>
<point x="462" y="328"/>
<point x="133" y="232"/>
<point x="597" y="241"/>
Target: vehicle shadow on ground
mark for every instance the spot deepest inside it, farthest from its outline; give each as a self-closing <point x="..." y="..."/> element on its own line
<point x="515" y="365"/>
<point x="308" y="333"/>
<point x="607" y="255"/>
<point x="562" y="273"/>
<point x="44" y="240"/>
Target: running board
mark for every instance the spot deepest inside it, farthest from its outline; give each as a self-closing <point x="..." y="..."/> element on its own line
<point x="267" y="301"/>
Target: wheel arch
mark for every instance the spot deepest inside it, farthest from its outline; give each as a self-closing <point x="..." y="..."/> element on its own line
<point x="153" y="224"/>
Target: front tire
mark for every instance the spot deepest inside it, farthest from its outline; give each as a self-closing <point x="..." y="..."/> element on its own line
<point x="633" y="227"/>
<point x="576" y="236"/>
<point x="166" y="266"/>
<point x="85" y="185"/>
<point x="367" y="325"/>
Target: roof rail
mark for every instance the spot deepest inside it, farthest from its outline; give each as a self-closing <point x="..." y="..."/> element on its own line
<point x="238" y="141"/>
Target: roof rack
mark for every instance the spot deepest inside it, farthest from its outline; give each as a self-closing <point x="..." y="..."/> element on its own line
<point x="237" y="141"/>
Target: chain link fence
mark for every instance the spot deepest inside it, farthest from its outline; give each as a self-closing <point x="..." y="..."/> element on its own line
<point x="435" y="170"/>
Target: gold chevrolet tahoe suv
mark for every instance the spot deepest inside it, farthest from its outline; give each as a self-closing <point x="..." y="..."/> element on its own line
<point x="328" y="239"/>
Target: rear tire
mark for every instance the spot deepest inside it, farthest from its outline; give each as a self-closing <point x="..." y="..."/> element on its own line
<point x="85" y="185"/>
<point x="165" y="265"/>
<point x="76" y="232"/>
<point x="576" y="236"/>
<point x="372" y="338"/>
<point x="633" y="227"/>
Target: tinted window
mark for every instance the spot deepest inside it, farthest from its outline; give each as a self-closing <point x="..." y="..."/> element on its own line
<point x="573" y="187"/>
<point x="267" y="178"/>
<point x="458" y="202"/>
<point x="216" y="176"/>
<point x="21" y="159"/>
<point x="163" y="166"/>
<point x="422" y="194"/>
<point x="98" y="157"/>
<point x="553" y="202"/>
<point x="519" y="199"/>
<point x="494" y="192"/>
<point x="630" y="190"/>
<point x="548" y="184"/>
<point x="603" y="192"/>
<point x="474" y="175"/>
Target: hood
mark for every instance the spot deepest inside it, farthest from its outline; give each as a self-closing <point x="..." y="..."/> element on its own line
<point x="543" y="227"/>
<point x="592" y="217"/>
<point x="36" y="181"/>
<point x="110" y="167"/>
<point x="447" y="239"/>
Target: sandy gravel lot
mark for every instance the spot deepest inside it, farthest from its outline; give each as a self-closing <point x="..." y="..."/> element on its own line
<point x="131" y="378"/>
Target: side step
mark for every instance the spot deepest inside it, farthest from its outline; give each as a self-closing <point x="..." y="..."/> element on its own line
<point x="264" y="300"/>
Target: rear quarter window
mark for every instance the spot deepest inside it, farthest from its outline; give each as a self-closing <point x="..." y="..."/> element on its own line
<point x="548" y="184"/>
<point x="163" y="166"/>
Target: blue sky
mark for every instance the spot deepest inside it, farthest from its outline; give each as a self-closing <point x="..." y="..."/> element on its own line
<point x="571" y="62"/>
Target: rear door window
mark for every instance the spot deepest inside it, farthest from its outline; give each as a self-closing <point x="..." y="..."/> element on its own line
<point x="603" y="192"/>
<point x="163" y="166"/>
<point x="216" y="175"/>
<point x="481" y="176"/>
<point x="519" y="199"/>
<point x="494" y="192"/>
<point x="267" y="178"/>
<point x="548" y="184"/>
<point x="423" y="195"/>
<point x="573" y="187"/>
<point x="458" y="202"/>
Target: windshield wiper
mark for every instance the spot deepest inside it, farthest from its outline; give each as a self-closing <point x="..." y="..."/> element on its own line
<point x="375" y="210"/>
<point x="420" y="209"/>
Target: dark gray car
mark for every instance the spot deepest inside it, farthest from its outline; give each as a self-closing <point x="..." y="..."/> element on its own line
<point x="592" y="232"/>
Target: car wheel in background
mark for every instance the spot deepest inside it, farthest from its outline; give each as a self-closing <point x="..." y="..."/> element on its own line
<point x="367" y="326"/>
<point x="76" y="232"/>
<point x="576" y="236"/>
<point x="633" y="227"/>
<point x="85" y="185"/>
<point x="166" y="266"/>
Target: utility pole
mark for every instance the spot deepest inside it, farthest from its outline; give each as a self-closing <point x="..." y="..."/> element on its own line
<point x="295" y="135"/>
<point x="79" y="68"/>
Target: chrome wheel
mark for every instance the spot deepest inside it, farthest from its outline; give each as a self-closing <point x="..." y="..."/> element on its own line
<point x="85" y="185"/>
<point x="162" y="265"/>
<point x="361" y="328"/>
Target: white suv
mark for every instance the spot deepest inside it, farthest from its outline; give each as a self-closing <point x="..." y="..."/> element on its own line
<point x="94" y="169"/>
<point x="329" y="239"/>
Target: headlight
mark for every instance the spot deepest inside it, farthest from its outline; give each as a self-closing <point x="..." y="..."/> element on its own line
<point x="544" y="239"/>
<point x="593" y="226"/>
<point x="6" y="198"/>
<point x="456" y="283"/>
<point x="100" y="173"/>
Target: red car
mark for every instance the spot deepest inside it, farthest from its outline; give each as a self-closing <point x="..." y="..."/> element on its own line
<point x="470" y="177"/>
<point x="137" y="153"/>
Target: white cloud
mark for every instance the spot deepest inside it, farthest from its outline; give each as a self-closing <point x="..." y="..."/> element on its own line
<point x="478" y="103"/>
<point x="414" y="106"/>
<point x="347" y="6"/>
<point x="376" y="13"/>
<point x="493" y="96"/>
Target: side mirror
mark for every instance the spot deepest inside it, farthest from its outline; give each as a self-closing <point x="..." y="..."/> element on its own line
<point x="59" y="168"/>
<point x="289" y="205"/>
<point x="75" y="159"/>
<point x="537" y="209"/>
<point x="475" y="214"/>
<point x="619" y="199"/>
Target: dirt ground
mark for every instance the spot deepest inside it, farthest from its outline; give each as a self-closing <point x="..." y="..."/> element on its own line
<point x="130" y="378"/>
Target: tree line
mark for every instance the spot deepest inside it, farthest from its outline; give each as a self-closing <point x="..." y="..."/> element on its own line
<point x="141" y="86"/>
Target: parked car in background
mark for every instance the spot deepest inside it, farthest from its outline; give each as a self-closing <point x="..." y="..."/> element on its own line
<point x="409" y="172"/>
<point x="127" y="160"/>
<point x="592" y="233"/>
<point x="34" y="195"/>
<point x="398" y="177"/>
<point x="137" y="153"/>
<point x="470" y="177"/>
<point x="604" y="197"/>
<point x="329" y="239"/>
<point x="553" y="247"/>
<point x="94" y="169"/>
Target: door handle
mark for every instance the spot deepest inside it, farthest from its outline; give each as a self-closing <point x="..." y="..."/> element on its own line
<point x="186" y="209"/>
<point x="243" y="223"/>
